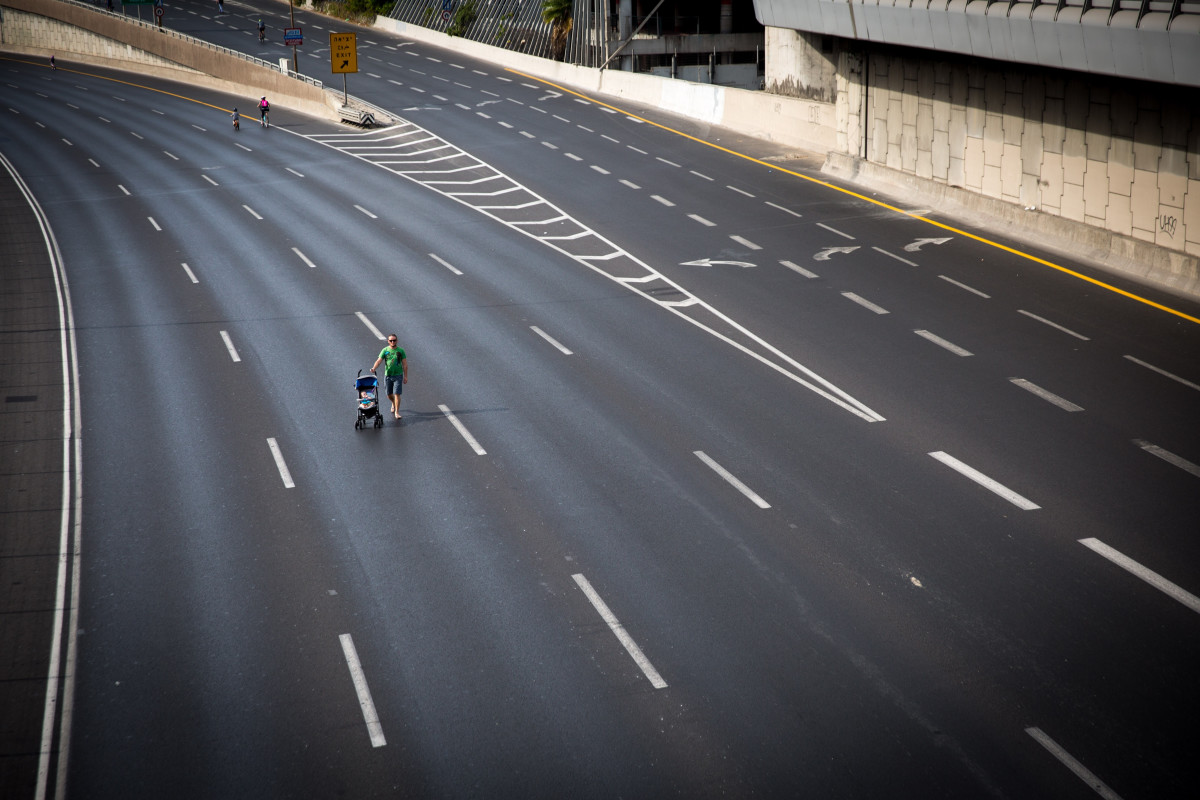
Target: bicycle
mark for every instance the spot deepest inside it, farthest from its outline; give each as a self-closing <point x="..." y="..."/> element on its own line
<point x="262" y="34"/>
<point x="237" y="120"/>
<point x="264" y="113"/>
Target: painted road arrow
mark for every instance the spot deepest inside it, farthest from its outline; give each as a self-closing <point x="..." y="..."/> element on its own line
<point x="706" y="262"/>
<point x="915" y="246"/>
<point x="828" y="251"/>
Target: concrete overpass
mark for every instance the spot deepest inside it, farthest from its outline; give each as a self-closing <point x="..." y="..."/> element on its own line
<point x="1064" y="112"/>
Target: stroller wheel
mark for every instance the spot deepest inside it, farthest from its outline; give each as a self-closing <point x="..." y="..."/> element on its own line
<point x="358" y="424"/>
<point x="378" y="421"/>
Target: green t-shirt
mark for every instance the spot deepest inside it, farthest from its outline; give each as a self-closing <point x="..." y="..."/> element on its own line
<point x="392" y="360"/>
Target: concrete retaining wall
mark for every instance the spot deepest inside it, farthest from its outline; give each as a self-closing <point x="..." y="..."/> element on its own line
<point x="45" y="27"/>
<point x="789" y="121"/>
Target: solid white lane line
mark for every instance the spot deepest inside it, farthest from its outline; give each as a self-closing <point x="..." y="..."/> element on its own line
<point x="210" y="180"/>
<point x="363" y="210"/>
<point x="1050" y="397"/>
<point x="445" y="264"/>
<point x="1169" y="457"/>
<point x="1045" y="321"/>
<point x="701" y="220"/>
<point x="253" y="213"/>
<point x="984" y="481"/>
<point x="611" y="139"/>
<point x="662" y="200"/>
<point x="799" y="269"/>
<point x="370" y="326"/>
<point x="637" y="150"/>
<point x="126" y="191"/>
<point x="739" y="191"/>
<point x="745" y="243"/>
<point x="189" y="272"/>
<point x="733" y="481"/>
<point x="303" y="257"/>
<point x="1082" y="772"/>
<point x="835" y="230"/>
<point x="370" y="716"/>
<point x="233" y="353"/>
<point x="698" y="174"/>
<point x="668" y="163"/>
<point x="297" y="174"/>
<point x="67" y="142"/>
<point x="462" y="429"/>
<point x="867" y="304"/>
<point x="893" y="255"/>
<point x="94" y="163"/>
<point x="171" y="155"/>
<point x="781" y="208"/>
<point x="619" y="631"/>
<point x="939" y="341"/>
<point x="1149" y="576"/>
<point x="281" y="464"/>
<point x="964" y="286"/>
<point x="550" y="339"/>
<point x="239" y="144"/>
<point x="138" y="135"/>
<point x="1163" y="372"/>
<point x="157" y="227"/>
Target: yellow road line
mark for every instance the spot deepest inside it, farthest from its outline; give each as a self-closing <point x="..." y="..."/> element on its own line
<point x="879" y="203"/>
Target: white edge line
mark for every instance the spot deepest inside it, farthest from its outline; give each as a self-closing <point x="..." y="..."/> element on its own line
<point x="445" y="264"/>
<point x="731" y="479"/>
<point x="233" y="353"/>
<point x="370" y="325"/>
<point x="619" y="631"/>
<point x="551" y="340"/>
<point x="279" y="462"/>
<point x="1141" y="363"/>
<point x="1082" y="772"/>
<point x="462" y="429"/>
<point x="1048" y="396"/>
<point x="61" y="670"/>
<point x="1169" y="457"/>
<point x="1148" y="575"/>
<point x="984" y="481"/>
<point x="370" y="715"/>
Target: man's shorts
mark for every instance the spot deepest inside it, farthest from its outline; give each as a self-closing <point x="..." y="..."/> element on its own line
<point x="393" y="383"/>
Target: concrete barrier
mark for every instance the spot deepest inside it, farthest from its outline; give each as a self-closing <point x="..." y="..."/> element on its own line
<point x="45" y="27"/>
<point x="788" y="121"/>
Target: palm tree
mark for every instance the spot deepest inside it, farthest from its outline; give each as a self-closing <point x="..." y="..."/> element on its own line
<point x="558" y="14"/>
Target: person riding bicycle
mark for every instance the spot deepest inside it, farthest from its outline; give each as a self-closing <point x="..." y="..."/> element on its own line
<point x="261" y="31"/>
<point x="263" y="109"/>
<point x="237" y="124"/>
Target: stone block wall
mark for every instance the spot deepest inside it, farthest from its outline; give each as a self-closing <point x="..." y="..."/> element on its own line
<point x="1117" y="155"/>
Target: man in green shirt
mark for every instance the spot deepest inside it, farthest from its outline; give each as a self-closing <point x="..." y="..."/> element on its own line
<point x="395" y="374"/>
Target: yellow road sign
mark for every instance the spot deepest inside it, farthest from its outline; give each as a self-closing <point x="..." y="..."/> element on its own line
<point x="343" y="53"/>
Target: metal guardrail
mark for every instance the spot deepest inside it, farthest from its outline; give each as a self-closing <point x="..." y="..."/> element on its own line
<point x="194" y="41"/>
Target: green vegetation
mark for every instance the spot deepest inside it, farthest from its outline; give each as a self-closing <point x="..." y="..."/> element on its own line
<point x="462" y="19"/>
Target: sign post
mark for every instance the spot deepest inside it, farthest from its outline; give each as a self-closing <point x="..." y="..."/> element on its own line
<point x="343" y="58"/>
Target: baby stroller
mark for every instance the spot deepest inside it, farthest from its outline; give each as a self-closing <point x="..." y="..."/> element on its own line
<point x="366" y="388"/>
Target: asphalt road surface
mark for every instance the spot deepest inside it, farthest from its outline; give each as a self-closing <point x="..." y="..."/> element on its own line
<point x="711" y="479"/>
